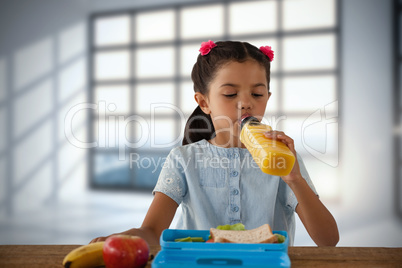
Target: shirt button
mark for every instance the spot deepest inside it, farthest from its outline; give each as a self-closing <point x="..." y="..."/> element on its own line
<point x="235" y="209"/>
<point x="236" y="155"/>
<point x="235" y="192"/>
<point x="234" y="173"/>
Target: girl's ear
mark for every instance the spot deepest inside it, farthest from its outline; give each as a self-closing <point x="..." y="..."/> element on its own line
<point x="202" y="102"/>
<point x="269" y="94"/>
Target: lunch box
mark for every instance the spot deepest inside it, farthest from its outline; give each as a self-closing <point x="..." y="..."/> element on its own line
<point x="200" y="254"/>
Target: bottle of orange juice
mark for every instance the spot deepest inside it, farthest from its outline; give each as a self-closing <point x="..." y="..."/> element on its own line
<point x="272" y="156"/>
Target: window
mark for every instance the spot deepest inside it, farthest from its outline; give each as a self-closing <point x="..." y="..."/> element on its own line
<point x="141" y="64"/>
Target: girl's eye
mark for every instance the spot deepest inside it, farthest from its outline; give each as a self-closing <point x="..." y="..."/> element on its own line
<point x="257" y="95"/>
<point x="230" y="95"/>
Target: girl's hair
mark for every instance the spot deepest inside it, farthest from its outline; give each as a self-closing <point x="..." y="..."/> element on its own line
<point x="199" y="125"/>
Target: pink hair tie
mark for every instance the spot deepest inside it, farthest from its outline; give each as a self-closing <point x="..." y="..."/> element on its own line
<point x="268" y="52"/>
<point x="206" y="47"/>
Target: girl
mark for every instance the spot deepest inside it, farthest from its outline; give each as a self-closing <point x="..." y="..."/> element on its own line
<point x="213" y="176"/>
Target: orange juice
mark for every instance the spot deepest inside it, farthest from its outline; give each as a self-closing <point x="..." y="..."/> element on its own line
<point x="272" y="156"/>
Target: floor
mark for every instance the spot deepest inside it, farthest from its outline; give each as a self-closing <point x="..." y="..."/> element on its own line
<point x="100" y="213"/>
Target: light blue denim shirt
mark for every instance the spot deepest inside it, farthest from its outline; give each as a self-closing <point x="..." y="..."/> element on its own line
<point x="217" y="186"/>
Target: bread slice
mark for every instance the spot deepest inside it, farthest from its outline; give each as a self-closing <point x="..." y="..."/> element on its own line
<point x="262" y="234"/>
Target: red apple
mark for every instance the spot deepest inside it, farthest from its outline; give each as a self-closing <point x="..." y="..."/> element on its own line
<point x="125" y="251"/>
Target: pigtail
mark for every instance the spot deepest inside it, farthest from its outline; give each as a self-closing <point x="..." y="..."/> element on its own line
<point x="198" y="127"/>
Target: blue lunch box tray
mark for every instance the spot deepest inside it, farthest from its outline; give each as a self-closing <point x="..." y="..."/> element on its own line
<point x="201" y="254"/>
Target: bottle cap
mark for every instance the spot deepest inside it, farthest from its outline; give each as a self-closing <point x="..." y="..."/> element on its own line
<point x="247" y="119"/>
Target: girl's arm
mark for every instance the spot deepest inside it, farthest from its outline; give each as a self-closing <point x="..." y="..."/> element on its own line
<point x="159" y="216"/>
<point x="318" y="221"/>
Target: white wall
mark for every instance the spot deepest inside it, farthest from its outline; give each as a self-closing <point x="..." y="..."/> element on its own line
<point x="43" y="58"/>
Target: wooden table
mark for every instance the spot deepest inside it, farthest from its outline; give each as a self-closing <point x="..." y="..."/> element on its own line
<point x="51" y="256"/>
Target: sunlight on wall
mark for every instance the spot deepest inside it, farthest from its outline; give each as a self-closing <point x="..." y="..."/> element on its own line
<point x="72" y="90"/>
<point x="72" y="79"/>
<point x="72" y="42"/>
<point x="33" y="62"/>
<point x="30" y="158"/>
<point x="32" y="108"/>
<point x="48" y="78"/>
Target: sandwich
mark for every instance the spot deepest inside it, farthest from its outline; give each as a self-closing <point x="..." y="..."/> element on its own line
<point x="262" y="234"/>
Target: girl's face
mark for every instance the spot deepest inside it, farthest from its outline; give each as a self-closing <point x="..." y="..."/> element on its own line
<point x="236" y="90"/>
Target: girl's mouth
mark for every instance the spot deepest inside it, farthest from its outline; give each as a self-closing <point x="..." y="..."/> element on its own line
<point x="244" y="116"/>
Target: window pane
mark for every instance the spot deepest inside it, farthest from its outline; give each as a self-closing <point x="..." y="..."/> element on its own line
<point x="272" y="106"/>
<point x="252" y="17"/>
<point x="146" y="167"/>
<point x="313" y="135"/>
<point x="112" y="30"/>
<point x="309" y="52"/>
<point x="155" y="26"/>
<point x="110" y="171"/>
<point x="320" y="135"/>
<point x="155" y="62"/>
<point x="325" y="177"/>
<point x="188" y="55"/>
<point x="157" y="134"/>
<point x="292" y="127"/>
<point x="116" y="98"/>
<point x="112" y="65"/>
<point x="303" y="14"/>
<point x="308" y="93"/>
<point x="187" y="103"/>
<point x="163" y="133"/>
<point x="272" y="42"/>
<point x="114" y="131"/>
<point x="101" y="133"/>
<point x="149" y="95"/>
<point x="200" y="21"/>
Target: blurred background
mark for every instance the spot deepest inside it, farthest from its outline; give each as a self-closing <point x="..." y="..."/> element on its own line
<point x="95" y="93"/>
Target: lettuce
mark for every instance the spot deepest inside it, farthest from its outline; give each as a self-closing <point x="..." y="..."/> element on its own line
<point x="281" y="238"/>
<point x="236" y="227"/>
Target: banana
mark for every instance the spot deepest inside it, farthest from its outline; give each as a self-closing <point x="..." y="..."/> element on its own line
<point x="87" y="256"/>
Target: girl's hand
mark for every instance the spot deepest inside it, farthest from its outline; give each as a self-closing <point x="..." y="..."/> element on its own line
<point x="294" y="174"/>
<point x="99" y="239"/>
<point x="319" y="222"/>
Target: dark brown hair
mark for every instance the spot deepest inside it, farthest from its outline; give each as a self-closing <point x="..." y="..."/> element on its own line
<point x="199" y="125"/>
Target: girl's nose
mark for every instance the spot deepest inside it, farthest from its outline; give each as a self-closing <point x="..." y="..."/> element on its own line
<point x="244" y="104"/>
